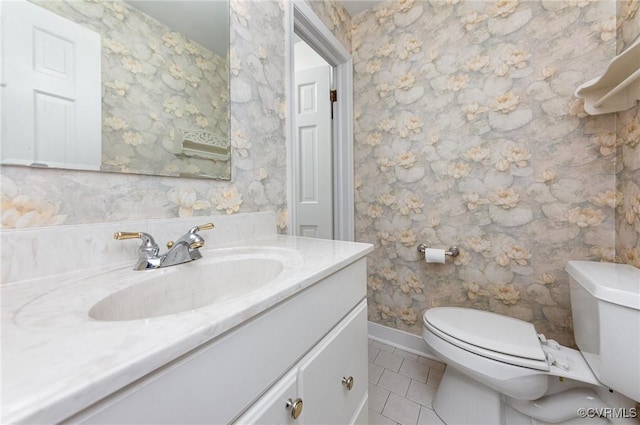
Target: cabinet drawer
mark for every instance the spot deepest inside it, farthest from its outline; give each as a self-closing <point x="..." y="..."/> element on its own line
<point x="216" y="382"/>
<point x="323" y="374"/>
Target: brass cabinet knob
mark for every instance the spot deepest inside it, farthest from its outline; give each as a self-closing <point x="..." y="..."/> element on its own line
<point x="170" y="244"/>
<point x="348" y="382"/>
<point x="295" y="407"/>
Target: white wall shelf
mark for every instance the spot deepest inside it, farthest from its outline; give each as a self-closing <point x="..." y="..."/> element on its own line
<point x="618" y="88"/>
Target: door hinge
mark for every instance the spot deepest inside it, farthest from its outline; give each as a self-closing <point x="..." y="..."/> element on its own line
<point x="333" y="98"/>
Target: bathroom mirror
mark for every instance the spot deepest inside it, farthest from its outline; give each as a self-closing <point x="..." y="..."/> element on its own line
<point x="161" y="91"/>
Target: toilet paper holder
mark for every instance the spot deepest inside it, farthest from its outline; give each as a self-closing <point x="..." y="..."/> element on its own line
<point x="452" y="252"/>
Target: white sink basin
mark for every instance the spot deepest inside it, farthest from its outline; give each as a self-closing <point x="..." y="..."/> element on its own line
<point x="221" y="276"/>
<point x="169" y="293"/>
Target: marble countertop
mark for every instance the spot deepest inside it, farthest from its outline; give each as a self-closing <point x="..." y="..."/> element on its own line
<point x="56" y="360"/>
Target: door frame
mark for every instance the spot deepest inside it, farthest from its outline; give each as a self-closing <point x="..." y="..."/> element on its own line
<point x="305" y="23"/>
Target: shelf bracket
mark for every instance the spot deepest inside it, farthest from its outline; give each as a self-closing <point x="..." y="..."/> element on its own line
<point x="618" y="89"/>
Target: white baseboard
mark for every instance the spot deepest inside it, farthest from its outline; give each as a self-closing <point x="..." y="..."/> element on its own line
<point x="400" y="339"/>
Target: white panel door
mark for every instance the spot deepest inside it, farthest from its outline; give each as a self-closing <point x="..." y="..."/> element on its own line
<point x="51" y="89"/>
<point x="315" y="171"/>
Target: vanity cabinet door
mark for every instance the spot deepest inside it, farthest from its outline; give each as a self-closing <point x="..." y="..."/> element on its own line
<point x="276" y="406"/>
<point x="353" y="364"/>
<point x="332" y="379"/>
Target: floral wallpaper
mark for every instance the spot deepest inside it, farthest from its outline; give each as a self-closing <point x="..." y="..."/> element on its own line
<point x="334" y="16"/>
<point x="627" y="202"/>
<point x="155" y="82"/>
<point x="36" y="197"/>
<point x="467" y="133"/>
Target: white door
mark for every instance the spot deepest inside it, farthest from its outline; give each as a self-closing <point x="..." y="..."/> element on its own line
<point x="314" y="137"/>
<point x="51" y="89"/>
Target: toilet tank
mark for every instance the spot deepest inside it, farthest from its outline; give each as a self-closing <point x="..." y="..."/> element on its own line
<point x="605" y="304"/>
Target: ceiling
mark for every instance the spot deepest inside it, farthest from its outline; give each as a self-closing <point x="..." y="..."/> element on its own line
<point x="356" y="6"/>
<point x="205" y="22"/>
<point x="195" y="18"/>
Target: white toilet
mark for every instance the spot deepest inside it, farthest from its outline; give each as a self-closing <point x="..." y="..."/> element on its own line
<point x="500" y="371"/>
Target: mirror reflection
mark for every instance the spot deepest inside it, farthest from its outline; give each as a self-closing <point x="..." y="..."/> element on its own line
<point x="160" y="97"/>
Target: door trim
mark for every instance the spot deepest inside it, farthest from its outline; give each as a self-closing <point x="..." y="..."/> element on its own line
<point x="304" y="22"/>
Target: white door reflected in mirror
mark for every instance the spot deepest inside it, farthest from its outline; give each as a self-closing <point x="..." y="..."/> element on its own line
<point x="51" y="95"/>
<point x="156" y="79"/>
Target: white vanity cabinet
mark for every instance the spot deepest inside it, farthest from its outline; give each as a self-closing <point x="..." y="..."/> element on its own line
<point x="299" y="349"/>
<point x="330" y="382"/>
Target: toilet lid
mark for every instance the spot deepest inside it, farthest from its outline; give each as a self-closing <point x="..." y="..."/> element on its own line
<point x="487" y="331"/>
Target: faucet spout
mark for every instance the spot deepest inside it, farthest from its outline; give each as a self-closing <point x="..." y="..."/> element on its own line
<point x="187" y="247"/>
<point x="183" y="251"/>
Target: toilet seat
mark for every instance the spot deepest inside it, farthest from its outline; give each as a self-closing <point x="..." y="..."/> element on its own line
<point x="487" y="334"/>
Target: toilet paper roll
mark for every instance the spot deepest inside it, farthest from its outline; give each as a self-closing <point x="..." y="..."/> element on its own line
<point x="432" y="255"/>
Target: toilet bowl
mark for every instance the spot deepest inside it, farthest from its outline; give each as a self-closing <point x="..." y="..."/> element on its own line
<point x="500" y="370"/>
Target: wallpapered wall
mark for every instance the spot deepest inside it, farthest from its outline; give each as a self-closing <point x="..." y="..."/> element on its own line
<point x="468" y="134"/>
<point x="33" y="198"/>
<point x="627" y="201"/>
<point x="154" y="82"/>
<point x="628" y="152"/>
<point x="334" y="16"/>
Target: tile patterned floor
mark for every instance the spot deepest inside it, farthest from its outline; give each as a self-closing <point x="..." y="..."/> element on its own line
<point x="401" y="386"/>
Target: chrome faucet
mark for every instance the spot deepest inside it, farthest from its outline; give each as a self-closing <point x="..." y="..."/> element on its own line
<point x="185" y="249"/>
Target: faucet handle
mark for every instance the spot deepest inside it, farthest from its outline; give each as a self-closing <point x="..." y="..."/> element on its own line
<point x="195" y="244"/>
<point x="147" y="251"/>
<point x="127" y="235"/>
<point x="147" y="239"/>
<point x="198" y="242"/>
<point x="206" y="226"/>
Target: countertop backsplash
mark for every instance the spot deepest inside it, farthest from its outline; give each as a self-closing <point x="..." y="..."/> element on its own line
<point x="37" y="252"/>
